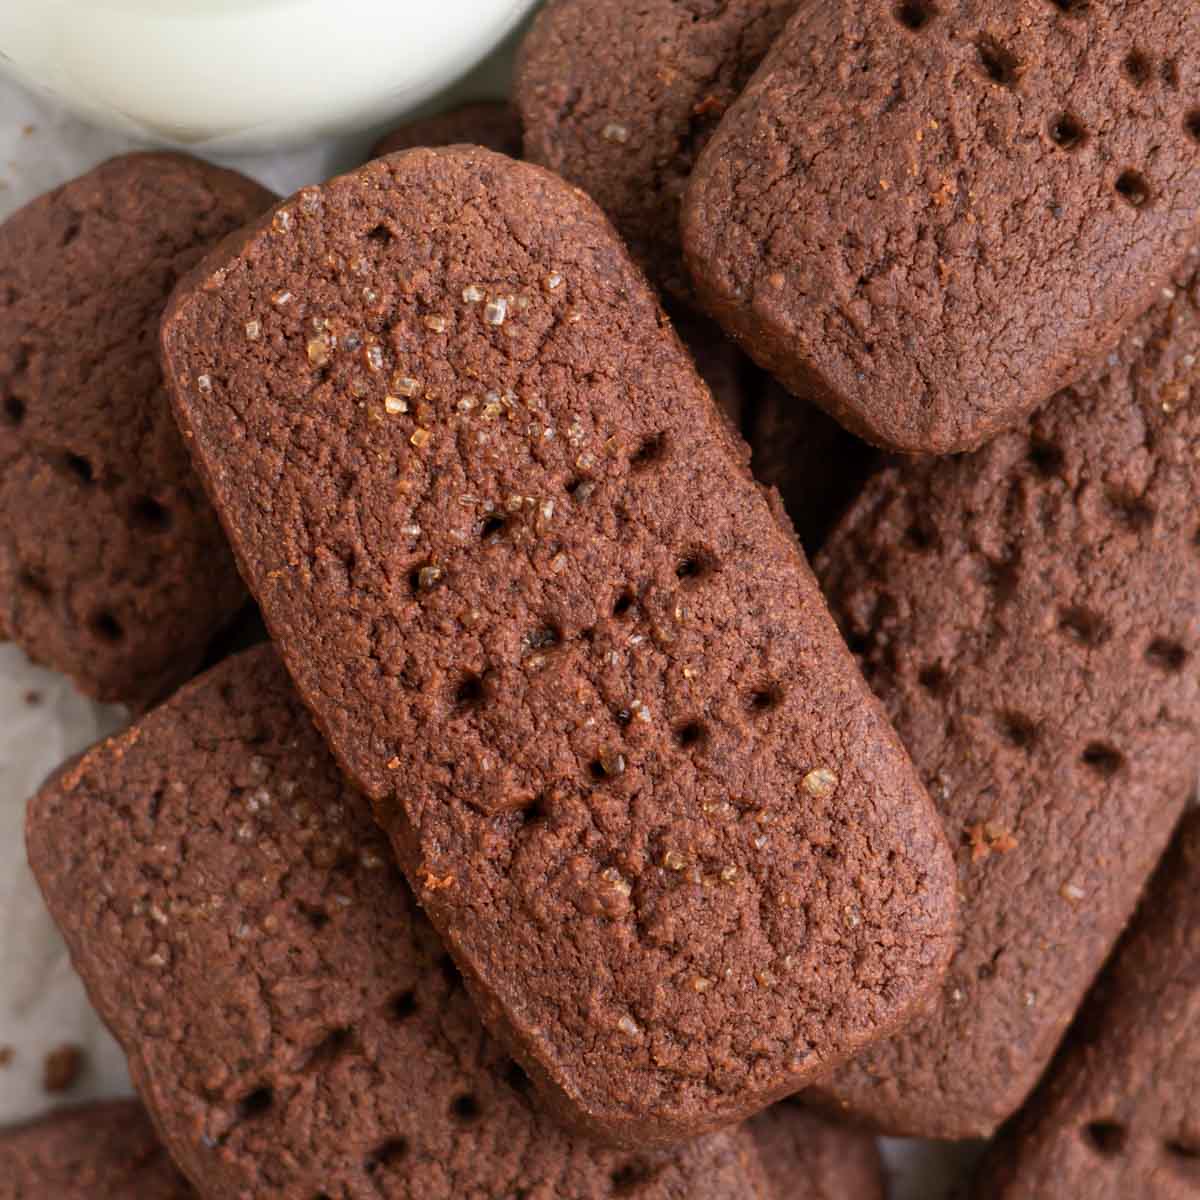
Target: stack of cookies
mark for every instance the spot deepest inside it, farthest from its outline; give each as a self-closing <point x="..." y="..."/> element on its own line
<point x="567" y="835"/>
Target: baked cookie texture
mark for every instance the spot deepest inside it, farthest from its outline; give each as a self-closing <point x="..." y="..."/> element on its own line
<point x="113" y="567"/>
<point x="1118" y="1115"/>
<point x="491" y="123"/>
<point x="512" y="555"/>
<point x="290" y="1017"/>
<point x="104" y="1151"/>
<point x="807" y="1157"/>
<point x="620" y="99"/>
<point x="1030" y="617"/>
<point x="930" y="217"/>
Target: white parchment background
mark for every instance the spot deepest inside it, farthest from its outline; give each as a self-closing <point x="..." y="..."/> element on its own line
<point x="43" y="720"/>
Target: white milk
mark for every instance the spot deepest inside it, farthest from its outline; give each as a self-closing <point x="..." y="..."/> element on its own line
<point x="243" y="74"/>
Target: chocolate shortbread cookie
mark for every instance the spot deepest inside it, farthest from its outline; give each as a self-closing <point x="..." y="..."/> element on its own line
<point x="512" y="554"/>
<point x="290" y="1017"/>
<point x="620" y="98"/>
<point x="1030" y="616"/>
<point x="807" y="1157"/>
<point x="816" y="465"/>
<point x="1118" y="1115"/>
<point x="105" y="1151"/>
<point x="929" y="216"/>
<point x="113" y="568"/>
<point x="490" y="123"/>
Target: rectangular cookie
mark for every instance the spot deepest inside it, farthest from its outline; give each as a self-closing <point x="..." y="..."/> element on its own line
<point x="113" y="568"/>
<point x="931" y="215"/>
<point x="103" y="1151"/>
<point x="1030" y="617"/>
<point x="291" y="1020"/>
<point x="513" y="557"/>
<point x="1118" y="1114"/>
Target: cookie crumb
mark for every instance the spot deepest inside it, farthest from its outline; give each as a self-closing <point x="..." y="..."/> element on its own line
<point x="62" y="1068"/>
<point x="7" y="1054"/>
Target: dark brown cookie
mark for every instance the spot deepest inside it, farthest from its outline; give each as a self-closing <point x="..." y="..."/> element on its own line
<point x="931" y="216"/>
<point x="1118" y="1115"/>
<point x="289" y="1016"/>
<point x="512" y="553"/>
<point x="620" y="98"/>
<point x="1030" y="616"/>
<point x="113" y="568"/>
<point x="817" y="466"/>
<point x="102" y="1151"/>
<point x="807" y="1157"/>
<point x="489" y="123"/>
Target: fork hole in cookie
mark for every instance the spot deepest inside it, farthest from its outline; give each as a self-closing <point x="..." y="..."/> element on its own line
<point x="1138" y="68"/>
<point x="1192" y="124"/>
<point x="79" y="468"/>
<point x="547" y="636"/>
<point x="1067" y="132"/>
<point x="626" y="599"/>
<point x="466" y="1108"/>
<point x="1046" y="458"/>
<point x="317" y="917"/>
<point x="1083" y="626"/>
<point x="1071" y="8"/>
<point x="915" y="14"/>
<point x="106" y="628"/>
<point x="651" y="451"/>
<point x="402" y="1006"/>
<point x="1107" y="1138"/>
<point x="997" y="62"/>
<point x="381" y="235"/>
<point x="492" y="528"/>
<point x="763" y="699"/>
<point x="933" y="679"/>
<point x="150" y="515"/>
<point x="628" y="1178"/>
<point x="393" y="1151"/>
<point x="255" y="1104"/>
<point x="468" y="692"/>
<point x="1018" y="730"/>
<point x="1133" y="188"/>
<point x="14" y="410"/>
<point x="694" y="567"/>
<point x="1167" y="655"/>
<point x="690" y="734"/>
<point x="1102" y="758"/>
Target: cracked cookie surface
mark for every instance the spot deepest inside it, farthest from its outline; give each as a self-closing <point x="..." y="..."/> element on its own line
<point x="930" y="216"/>
<point x="512" y="554"/>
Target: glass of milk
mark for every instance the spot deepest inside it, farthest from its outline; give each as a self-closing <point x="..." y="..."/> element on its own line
<point x="230" y="75"/>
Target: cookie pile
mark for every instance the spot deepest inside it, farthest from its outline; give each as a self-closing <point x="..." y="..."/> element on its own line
<point x="571" y="837"/>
